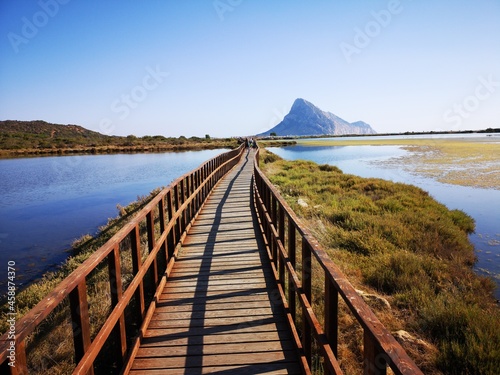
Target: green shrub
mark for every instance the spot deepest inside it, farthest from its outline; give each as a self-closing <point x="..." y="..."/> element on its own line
<point x="467" y="336"/>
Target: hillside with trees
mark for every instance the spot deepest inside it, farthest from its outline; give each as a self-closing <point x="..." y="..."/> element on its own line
<point x="19" y="138"/>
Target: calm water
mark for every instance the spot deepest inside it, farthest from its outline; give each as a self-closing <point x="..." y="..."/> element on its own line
<point x="48" y="202"/>
<point x="367" y="161"/>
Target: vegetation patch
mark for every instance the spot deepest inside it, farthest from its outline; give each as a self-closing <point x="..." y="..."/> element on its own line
<point x="24" y="138"/>
<point x="394" y="241"/>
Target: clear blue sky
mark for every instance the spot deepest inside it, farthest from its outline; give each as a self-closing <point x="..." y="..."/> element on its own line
<point x="234" y="67"/>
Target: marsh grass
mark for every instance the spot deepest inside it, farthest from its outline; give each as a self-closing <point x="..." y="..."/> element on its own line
<point x="50" y="346"/>
<point x="394" y="241"/>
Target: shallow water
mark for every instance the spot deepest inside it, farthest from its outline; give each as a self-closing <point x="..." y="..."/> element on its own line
<point x="48" y="202"/>
<point x="370" y="161"/>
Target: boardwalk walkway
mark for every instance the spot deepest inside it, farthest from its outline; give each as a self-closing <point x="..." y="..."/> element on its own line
<point x="220" y="311"/>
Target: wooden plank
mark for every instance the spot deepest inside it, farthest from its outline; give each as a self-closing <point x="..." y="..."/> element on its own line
<point x="214" y="306"/>
<point x="260" y="337"/>
<point x="237" y="285"/>
<point x="215" y="360"/>
<point x="214" y="300"/>
<point x="216" y="294"/>
<point x="187" y="274"/>
<point x="252" y="321"/>
<point x="217" y="348"/>
<point x="216" y="313"/>
<point x="81" y="320"/>
<point x="225" y="331"/>
<point x="267" y="369"/>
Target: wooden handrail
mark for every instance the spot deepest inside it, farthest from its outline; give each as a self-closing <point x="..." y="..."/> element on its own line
<point x="179" y="203"/>
<point x="280" y="227"/>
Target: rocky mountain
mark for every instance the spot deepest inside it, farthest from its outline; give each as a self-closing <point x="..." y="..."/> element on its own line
<point x="305" y="118"/>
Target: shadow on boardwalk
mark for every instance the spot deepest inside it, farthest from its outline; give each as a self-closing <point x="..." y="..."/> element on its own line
<point x="220" y="311"/>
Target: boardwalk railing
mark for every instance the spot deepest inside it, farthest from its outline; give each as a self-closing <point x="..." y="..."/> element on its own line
<point x="286" y="240"/>
<point x="153" y="238"/>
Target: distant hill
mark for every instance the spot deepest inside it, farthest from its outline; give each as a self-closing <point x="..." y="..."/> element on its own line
<point x="305" y="118"/>
<point x="40" y="137"/>
<point x="47" y="129"/>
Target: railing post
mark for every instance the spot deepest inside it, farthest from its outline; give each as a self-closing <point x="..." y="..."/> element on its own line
<point x="269" y="231"/>
<point x="306" y="287"/>
<point x="291" y="257"/>
<point x="185" y="195"/>
<point x="115" y="285"/>
<point x="275" y="225"/>
<point x="182" y="192"/>
<point x="281" y="231"/>
<point x="178" y="228"/>
<point x="172" y="239"/>
<point x="150" y="224"/>
<point x="163" y="225"/>
<point x="331" y="314"/>
<point x="190" y="192"/>
<point x="205" y="176"/>
<point x="136" y="266"/>
<point x="196" y="197"/>
<point x="200" y="193"/>
<point x="274" y="215"/>
<point x="202" y="179"/>
<point x="21" y="364"/>
<point x="80" y="320"/>
<point x="374" y="358"/>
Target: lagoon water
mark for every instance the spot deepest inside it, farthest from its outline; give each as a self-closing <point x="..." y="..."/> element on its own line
<point x="48" y="202"/>
<point x="368" y="161"/>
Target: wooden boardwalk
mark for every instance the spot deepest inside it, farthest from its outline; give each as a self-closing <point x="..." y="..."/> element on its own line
<point x="220" y="311"/>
